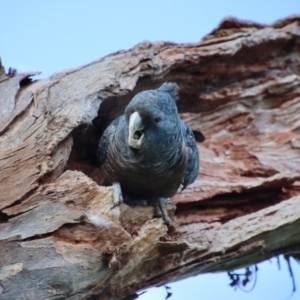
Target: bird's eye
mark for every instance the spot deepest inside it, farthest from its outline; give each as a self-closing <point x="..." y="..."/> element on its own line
<point x="157" y="120"/>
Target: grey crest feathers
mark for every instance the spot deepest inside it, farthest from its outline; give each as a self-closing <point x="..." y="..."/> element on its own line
<point x="171" y="88"/>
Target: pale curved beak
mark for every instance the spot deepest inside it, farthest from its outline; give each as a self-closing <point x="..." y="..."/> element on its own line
<point x="136" y="131"/>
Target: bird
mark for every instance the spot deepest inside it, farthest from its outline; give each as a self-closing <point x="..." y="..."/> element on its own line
<point x="149" y="152"/>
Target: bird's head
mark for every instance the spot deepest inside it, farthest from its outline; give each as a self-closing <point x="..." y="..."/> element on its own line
<point x="151" y="116"/>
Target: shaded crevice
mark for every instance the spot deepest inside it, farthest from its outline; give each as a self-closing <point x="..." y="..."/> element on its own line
<point x="38" y="237"/>
<point x="26" y="81"/>
<point x="254" y="173"/>
<point x="83" y="156"/>
<point x="226" y="207"/>
<point x="3" y="217"/>
<point x="11" y="216"/>
<point x="48" y="234"/>
<point x="24" y="197"/>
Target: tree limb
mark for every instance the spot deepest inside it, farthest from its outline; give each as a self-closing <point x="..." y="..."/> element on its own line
<point x="59" y="237"/>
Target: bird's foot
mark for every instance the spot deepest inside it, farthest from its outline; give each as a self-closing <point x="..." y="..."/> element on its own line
<point x="157" y="212"/>
<point x="160" y="209"/>
<point x="117" y="193"/>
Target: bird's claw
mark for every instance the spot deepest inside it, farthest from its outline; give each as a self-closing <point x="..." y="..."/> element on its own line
<point x="157" y="212"/>
<point x="160" y="210"/>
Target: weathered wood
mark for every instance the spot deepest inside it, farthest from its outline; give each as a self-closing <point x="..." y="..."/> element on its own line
<point x="59" y="237"/>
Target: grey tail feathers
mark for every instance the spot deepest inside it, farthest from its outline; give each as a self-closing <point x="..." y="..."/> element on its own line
<point x="170" y="88"/>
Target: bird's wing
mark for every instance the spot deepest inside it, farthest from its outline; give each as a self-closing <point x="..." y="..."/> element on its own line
<point x="103" y="146"/>
<point x="192" y="169"/>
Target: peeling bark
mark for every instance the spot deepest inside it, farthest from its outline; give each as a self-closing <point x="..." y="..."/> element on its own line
<point x="59" y="237"/>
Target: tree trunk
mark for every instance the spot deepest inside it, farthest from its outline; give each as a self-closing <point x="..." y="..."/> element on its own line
<point x="59" y="237"/>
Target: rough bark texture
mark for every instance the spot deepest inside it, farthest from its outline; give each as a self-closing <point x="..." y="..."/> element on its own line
<point x="59" y="237"/>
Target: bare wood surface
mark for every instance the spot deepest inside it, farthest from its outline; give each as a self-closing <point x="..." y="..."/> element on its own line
<point x="59" y="237"/>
